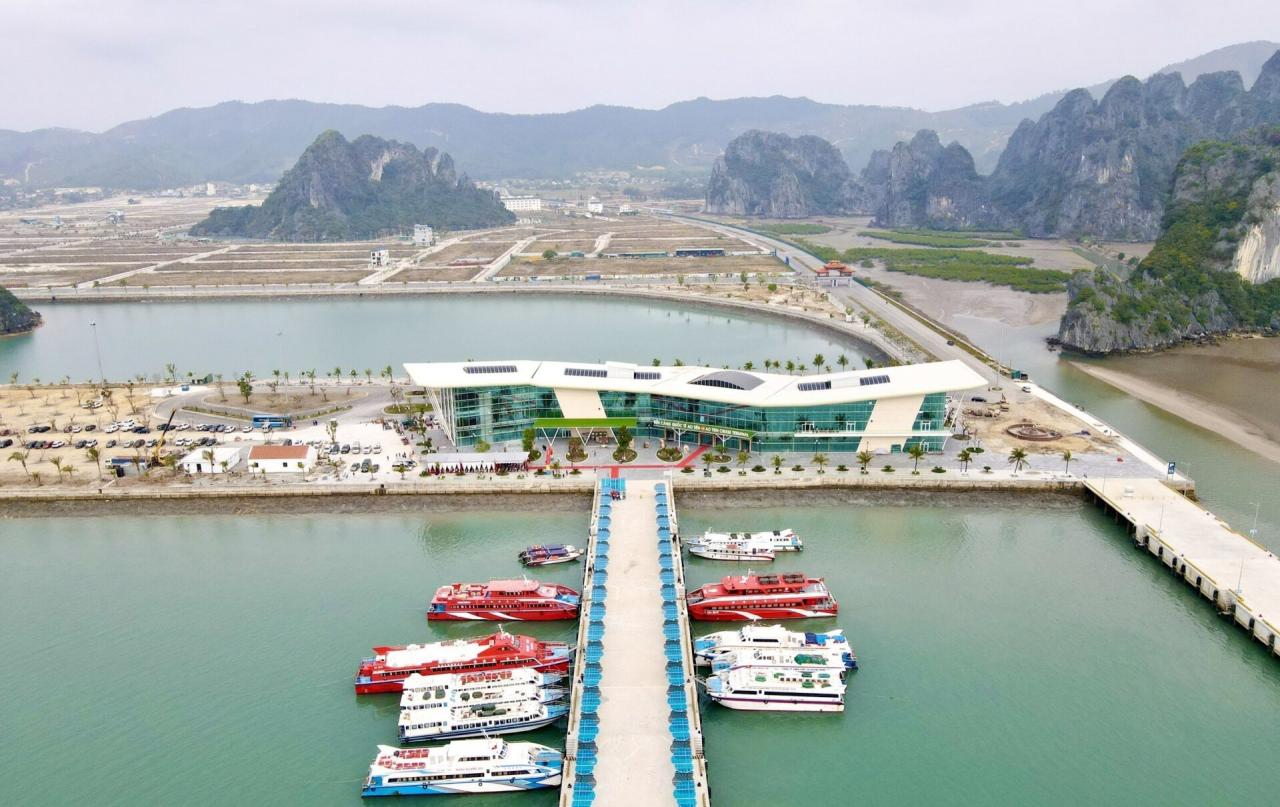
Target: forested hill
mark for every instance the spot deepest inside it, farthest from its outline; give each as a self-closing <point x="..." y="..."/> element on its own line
<point x="365" y="188"/>
<point x="15" y="316"/>
<point x="1215" y="267"/>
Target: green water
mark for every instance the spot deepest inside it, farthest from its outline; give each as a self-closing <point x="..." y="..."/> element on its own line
<point x="1011" y="655"/>
<point x="1230" y="480"/>
<point x="230" y="336"/>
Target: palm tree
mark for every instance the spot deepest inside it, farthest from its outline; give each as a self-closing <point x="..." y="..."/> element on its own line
<point x="56" y="462"/>
<point x="791" y="366"/>
<point x="819" y="360"/>
<point x="275" y="385"/>
<point x="777" y="461"/>
<point x="916" y="452"/>
<point x="821" y="461"/>
<point x="843" y="361"/>
<point x="221" y="392"/>
<point x="864" y="459"/>
<point x="94" y="454"/>
<point x="207" y="454"/>
<point x="337" y="373"/>
<point x="870" y="362"/>
<point x="965" y="456"/>
<point x="388" y="373"/>
<point x="368" y="376"/>
<point x="20" y="456"/>
<point x="749" y="366"/>
<point x="1017" y="458"/>
<point x="706" y="459"/>
<point x="743" y="458"/>
<point x="1066" y="460"/>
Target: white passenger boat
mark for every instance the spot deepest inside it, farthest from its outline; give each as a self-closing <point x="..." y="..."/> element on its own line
<point x="462" y="766"/>
<point x="775" y="689"/>
<point x="422" y="725"/>
<point x="751" y="637"/>
<point x="795" y="658"/>
<point x="440" y="698"/>
<point x="447" y="689"/>
<point x="777" y="540"/>
<point x="733" y="550"/>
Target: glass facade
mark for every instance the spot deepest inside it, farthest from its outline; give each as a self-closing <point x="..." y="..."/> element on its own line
<point x="501" y="414"/>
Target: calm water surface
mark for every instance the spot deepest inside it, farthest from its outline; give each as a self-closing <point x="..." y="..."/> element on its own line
<point x="1011" y="655"/>
<point x="231" y="336"/>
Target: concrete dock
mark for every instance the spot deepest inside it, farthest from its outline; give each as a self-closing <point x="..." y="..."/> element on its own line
<point x="1240" y="576"/>
<point x="634" y="733"/>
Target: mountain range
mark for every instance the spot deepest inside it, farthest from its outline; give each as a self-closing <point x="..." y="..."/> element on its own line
<point x="365" y="188"/>
<point x="1087" y="167"/>
<point x="257" y="142"/>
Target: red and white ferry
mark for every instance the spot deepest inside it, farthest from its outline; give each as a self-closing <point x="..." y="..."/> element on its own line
<point x="391" y="666"/>
<point x="504" y="600"/>
<point x="762" y="596"/>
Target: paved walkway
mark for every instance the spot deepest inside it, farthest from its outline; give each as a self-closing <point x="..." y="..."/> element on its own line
<point x="1239" y="575"/>
<point x="635" y="743"/>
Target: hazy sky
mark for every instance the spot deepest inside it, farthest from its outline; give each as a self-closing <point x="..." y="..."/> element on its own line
<point x="94" y="63"/>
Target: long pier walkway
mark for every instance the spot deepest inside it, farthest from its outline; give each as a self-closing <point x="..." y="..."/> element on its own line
<point x="634" y="732"/>
<point x="1240" y="576"/>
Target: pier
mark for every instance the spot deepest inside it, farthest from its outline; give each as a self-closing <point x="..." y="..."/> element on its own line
<point x="1238" y="575"/>
<point x="635" y="735"/>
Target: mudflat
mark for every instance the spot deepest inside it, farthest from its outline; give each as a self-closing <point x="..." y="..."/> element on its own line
<point x="1229" y="388"/>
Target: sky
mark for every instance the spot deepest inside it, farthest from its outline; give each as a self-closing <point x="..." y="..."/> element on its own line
<point x="91" y="64"/>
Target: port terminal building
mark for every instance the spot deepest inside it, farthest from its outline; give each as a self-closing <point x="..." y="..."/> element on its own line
<point x="882" y="410"/>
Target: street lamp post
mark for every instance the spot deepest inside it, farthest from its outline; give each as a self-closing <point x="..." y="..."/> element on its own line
<point x="98" y="352"/>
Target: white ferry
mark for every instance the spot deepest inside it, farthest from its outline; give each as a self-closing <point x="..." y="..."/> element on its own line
<point x="752" y="637"/>
<point x="733" y="550"/>
<point x="422" y="725"/>
<point x="462" y="766"/>
<point x="774" y="689"/>
<point x="777" y="540"/>
<point x="496" y="686"/>
<point x="802" y="658"/>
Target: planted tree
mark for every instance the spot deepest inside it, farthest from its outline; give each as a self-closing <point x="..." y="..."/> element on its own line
<point x="1018" y="458"/>
<point x="916" y="452"/>
<point x="776" y="461"/>
<point x="864" y="459"/>
<point x="1066" y="453"/>
<point x="821" y="461"/>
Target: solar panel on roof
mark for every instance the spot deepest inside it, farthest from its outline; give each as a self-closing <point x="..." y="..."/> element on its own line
<point x="473" y="369"/>
<point x="867" y="381"/>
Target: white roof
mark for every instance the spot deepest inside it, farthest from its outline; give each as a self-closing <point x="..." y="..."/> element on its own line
<point x="748" y="388"/>
<point x="231" y="454"/>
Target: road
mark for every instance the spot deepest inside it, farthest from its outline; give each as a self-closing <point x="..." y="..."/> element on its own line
<point x="867" y="299"/>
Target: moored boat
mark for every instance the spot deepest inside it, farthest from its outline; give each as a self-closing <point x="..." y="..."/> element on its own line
<point x="462" y="766"/>
<point x="549" y="554"/>
<point x="777" y="540"/>
<point x="776" y="689"/>
<point x="754" y="596"/>
<point x="503" y="686"/>
<point x="749" y="637"/>
<point x="504" y="600"/>
<point x="422" y="725"/>
<point x="733" y="550"/>
<point x="387" y="670"/>
<point x="783" y="658"/>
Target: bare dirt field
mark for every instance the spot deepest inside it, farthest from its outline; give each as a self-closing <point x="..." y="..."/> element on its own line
<point x="427" y="274"/>
<point x="573" y="267"/>
<point x="235" y="278"/>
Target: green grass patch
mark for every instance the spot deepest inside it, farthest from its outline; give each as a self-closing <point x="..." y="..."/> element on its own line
<point x="926" y="239"/>
<point x="794" y="228"/>
<point x="970" y="266"/>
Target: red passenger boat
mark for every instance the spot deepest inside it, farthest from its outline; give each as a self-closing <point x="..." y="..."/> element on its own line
<point x="762" y="596"/>
<point x="504" y="600"/>
<point x="387" y="670"/>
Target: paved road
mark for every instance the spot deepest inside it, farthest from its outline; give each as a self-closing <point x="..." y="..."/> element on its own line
<point x="867" y="299"/>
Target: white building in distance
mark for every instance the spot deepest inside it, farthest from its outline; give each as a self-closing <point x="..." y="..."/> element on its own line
<point x="379" y="258"/>
<point x="423" y="235"/>
<point x="594" y="205"/>
<point x="521" y="204"/>
<point x="214" y="460"/>
<point x="281" y="459"/>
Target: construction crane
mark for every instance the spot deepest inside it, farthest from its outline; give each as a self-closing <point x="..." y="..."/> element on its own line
<point x="155" y="455"/>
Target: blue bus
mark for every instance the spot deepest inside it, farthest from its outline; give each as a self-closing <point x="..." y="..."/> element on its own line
<point x="272" y="421"/>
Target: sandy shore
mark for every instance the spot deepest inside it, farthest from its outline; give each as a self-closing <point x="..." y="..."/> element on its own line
<point x="1195" y="410"/>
